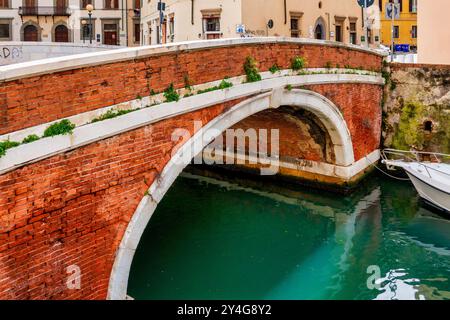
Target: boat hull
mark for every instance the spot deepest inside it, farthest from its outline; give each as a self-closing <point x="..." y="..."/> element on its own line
<point x="435" y="196"/>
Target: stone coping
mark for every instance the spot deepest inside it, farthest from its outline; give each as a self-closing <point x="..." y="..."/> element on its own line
<point x="51" y="65"/>
<point x="88" y="133"/>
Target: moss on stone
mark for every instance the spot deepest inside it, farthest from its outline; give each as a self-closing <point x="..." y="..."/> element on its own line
<point x="410" y="131"/>
<point x="408" y="134"/>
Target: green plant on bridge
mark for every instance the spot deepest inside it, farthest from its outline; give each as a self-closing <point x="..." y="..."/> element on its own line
<point x="111" y="114"/>
<point x="298" y="63"/>
<point x="30" y="138"/>
<point x="251" y="70"/>
<point x="5" y="145"/>
<point x="274" y="68"/>
<point x="187" y="82"/>
<point x="61" y="127"/>
<point x="222" y="85"/>
<point x="171" y="94"/>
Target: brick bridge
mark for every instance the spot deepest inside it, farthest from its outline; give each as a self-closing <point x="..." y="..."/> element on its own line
<point x="77" y="204"/>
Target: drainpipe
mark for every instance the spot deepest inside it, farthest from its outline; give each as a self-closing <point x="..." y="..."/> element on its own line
<point x="285" y="12"/>
<point x="192" y="12"/>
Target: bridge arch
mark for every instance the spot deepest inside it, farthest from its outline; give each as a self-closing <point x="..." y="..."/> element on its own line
<point x="325" y="110"/>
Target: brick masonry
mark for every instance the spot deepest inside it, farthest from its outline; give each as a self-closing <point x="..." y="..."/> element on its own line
<point x="73" y="208"/>
<point x="31" y="101"/>
<point x="361" y="107"/>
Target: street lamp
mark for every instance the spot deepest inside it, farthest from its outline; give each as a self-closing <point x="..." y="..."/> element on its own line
<point x="89" y="8"/>
<point x="83" y="23"/>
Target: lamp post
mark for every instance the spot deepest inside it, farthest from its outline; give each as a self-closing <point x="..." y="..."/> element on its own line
<point x="83" y="23"/>
<point x="89" y="9"/>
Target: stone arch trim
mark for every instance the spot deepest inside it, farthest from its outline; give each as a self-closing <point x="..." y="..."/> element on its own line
<point x="30" y="23"/>
<point x="61" y="23"/>
<point x="323" y="108"/>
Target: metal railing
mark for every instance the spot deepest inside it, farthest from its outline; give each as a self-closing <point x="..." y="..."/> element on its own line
<point x="416" y="156"/>
<point x="44" y="11"/>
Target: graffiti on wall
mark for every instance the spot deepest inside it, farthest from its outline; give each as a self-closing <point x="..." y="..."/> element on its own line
<point x="10" y="54"/>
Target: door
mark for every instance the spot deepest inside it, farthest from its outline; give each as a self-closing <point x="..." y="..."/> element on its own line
<point x="30" y="7"/>
<point x="110" y="34"/>
<point x="318" y="33"/>
<point x="210" y="36"/>
<point x="164" y="32"/>
<point x="110" y="37"/>
<point x="60" y="8"/>
<point x="30" y="33"/>
<point x="338" y="33"/>
<point x="61" y="34"/>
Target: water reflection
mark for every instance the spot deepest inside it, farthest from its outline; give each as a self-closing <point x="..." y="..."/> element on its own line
<point x="211" y="239"/>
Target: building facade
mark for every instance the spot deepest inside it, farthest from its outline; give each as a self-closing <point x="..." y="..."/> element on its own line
<point x="434" y="34"/>
<point x="113" y="21"/>
<point x="405" y="28"/>
<point x="185" y="20"/>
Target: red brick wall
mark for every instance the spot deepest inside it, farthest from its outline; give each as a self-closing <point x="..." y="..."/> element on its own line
<point x="301" y="135"/>
<point x="31" y="101"/>
<point x="73" y="208"/>
<point x="361" y="106"/>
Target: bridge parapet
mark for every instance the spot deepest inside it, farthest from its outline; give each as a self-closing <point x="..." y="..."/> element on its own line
<point x="41" y="91"/>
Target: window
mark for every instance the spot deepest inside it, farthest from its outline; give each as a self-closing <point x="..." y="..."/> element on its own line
<point x="413" y="6"/>
<point x="353" y="35"/>
<point x="295" y="32"/>
<point x="369" y="36"/>
<point x="380" y="4"/>
<point x="171" y="28"/>
<point x="137" y="4"/>
<point x="398" y="2"/>
<point x="84" y="3"/>
<point x="84" y="29"/>
<point x="396" y="32"/>
<point x="111" y="4"/>
<point x="4" y="3"/>
<point x="212" y="24"/>
<point x="5" y="30"/>
<point x="414" y="32"/>
<point x="137" y="32"/>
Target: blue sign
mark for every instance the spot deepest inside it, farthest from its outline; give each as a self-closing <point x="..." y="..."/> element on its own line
<point x="240" y="28"/>
<point x="365" y="3"/>
<point x="401" y="48"/>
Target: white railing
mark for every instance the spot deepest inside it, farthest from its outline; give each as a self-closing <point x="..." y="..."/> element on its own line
<point x="392" y="155"/>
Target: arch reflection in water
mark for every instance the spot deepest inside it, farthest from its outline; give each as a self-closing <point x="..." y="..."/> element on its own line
<point x="211" y="239"/>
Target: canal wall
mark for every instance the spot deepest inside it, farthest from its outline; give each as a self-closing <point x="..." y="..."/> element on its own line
<point x="416" y="108"/>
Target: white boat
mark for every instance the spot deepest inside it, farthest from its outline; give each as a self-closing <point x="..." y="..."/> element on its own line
<point x="430" y="177"/>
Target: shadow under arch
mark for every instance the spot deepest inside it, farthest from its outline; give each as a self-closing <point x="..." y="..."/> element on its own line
<point x="323" y="108"/>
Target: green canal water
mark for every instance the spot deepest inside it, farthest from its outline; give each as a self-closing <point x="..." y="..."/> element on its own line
<point x="210" y="239"/>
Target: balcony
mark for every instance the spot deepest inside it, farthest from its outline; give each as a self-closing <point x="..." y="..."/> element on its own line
<point x="44" y="11"/>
